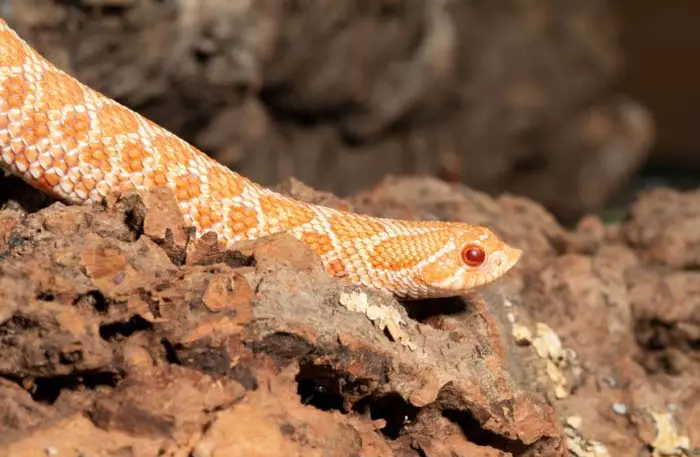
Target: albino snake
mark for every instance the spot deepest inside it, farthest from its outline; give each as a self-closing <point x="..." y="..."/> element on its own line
<point x="78" y="145"/>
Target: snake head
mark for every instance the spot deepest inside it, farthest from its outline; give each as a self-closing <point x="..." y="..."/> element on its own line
<point x="473" y="257"/>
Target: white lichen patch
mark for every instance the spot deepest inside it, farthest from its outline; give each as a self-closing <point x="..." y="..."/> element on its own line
<point x="386" y="318"/>
<point x="668" y="442"/>
<point x="578" y="445"/>
<point x="558" y="359"/>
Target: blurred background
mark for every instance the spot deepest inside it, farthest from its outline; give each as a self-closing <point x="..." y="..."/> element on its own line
<point x="577" y="104"/>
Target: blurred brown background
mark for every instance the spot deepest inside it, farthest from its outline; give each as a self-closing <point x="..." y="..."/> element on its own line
<point x="660" y="43"/>
<point x="574" y="103"/>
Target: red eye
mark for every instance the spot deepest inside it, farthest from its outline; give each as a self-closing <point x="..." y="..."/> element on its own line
<point x="473" y="255"/>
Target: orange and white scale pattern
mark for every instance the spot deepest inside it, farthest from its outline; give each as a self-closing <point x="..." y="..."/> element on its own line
<point x="79" y="146"/>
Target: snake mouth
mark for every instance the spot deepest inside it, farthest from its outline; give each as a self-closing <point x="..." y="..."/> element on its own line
<point x="512" y="256"/>
<point x="509" y="258"/>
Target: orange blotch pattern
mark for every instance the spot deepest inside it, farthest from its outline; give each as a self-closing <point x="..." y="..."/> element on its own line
<point x="35" y="127"/>
<point x="53" y="159"/>
<point x="96" y="155"/>
<point x="288" y="214"/>
<point x="349" y="226"/>
<point x="209" y="213"/>
<point x="30" y="155"/>
<point x="75" y="126"/>
<point x="336" y="268"/>
<point x="85" y="185"/>
<point x="242" y="219"/>
<point x="132" y="156"/>
<point x="157" y="177"/>
<point x="58" y="91"/>
<point x="125" y="185"/>
<point x="13" y="92"/>
<point x="187" y="187"/>
<point x="440" y="270"/>
<point x="48" y="181"/>
<point x="5" y="139"/>
<point x="116" y="120"/>
<point x="223" y="184"/>
<point x="11" y="53"/>
<point x="405" y="251"/>
<point x="20" y="160"/>
<point x="172" y="151"/>
<point x="320" y="243"/>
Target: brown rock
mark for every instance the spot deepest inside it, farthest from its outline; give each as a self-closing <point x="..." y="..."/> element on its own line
<point x="587" y="299"/>
<point x="271" y="422"/>
<point x="18" y="411"/>
<point x="103" y="330"/>
<point x="7" y="223"/>
<point x="667" y="309"/>
<point x="623" y="310"/>
<point x="164" y="224"/>
<point x="663" y="226"/>
<point x="171" y="355"/>
<point x="590" y="235"/>
<point x="167" y="401"/>
<point x="227" y="292"/>
<point x="85" y="437"/>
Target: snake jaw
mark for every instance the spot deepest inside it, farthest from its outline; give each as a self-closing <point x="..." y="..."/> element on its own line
<point x="503" y="261"/>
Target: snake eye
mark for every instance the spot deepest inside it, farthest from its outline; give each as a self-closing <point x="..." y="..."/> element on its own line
<point x="473" y="255"/>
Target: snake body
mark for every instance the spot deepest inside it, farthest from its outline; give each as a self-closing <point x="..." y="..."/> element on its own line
<point x="79" y="146"/>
